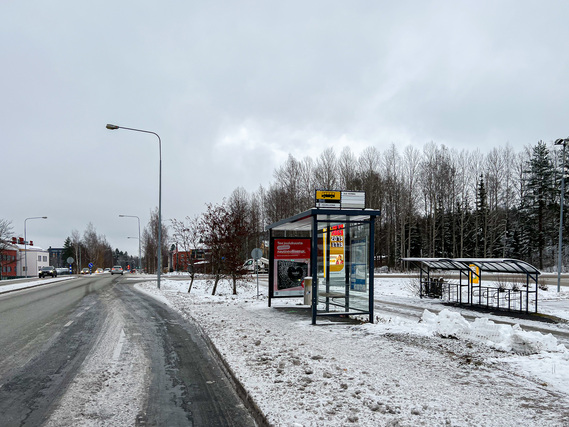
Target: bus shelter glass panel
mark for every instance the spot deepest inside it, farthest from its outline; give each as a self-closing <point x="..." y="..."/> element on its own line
<point x="343" y="268"/>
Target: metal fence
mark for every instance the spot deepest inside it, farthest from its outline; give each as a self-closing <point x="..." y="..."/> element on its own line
<point x="485" y="296"/>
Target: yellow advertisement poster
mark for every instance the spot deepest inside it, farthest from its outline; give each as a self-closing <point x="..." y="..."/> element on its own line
<point x="474" y="279"/>
<point x="336" y="247"/>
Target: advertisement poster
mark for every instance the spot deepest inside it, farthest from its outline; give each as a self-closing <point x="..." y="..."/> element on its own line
<point x="336" y="248"/>
<point x="474" y="276"/>
<point x="292" y="261"/>
<point x="359" y="272"/>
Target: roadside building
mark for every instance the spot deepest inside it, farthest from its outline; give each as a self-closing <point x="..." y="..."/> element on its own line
<point x="9" y="261"/>
<point x="56" y="257"/>
<point x="29" y="256"/>
<point x="182" y="260"/>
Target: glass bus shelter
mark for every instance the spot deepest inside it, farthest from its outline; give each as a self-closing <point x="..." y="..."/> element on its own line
<point x="333" y="247"/>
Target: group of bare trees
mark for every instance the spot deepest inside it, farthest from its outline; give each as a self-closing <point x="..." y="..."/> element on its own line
<point x="150" y="243"/>
<point x="229" y="230"/>
<point x="187" y="238"/>
<point x="435" y="202"/>
<point x="86" y="248"/>
<point x="92" y="247"/>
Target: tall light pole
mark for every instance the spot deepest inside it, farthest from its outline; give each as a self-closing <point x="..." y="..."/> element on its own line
<point x="115" y="127"/>
<point x="139" y="252"/>
<point x="560" y="250"/>
<point x="26" y="240"/>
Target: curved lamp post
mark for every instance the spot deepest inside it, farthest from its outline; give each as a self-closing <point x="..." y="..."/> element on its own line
<point x="115" y="127"/>
<point x="560" y="250"/>
<point x="139" y="252"/>
<point x="26" y="240"/>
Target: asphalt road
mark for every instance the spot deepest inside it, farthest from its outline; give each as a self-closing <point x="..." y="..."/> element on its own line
<point x="51" y="332"/>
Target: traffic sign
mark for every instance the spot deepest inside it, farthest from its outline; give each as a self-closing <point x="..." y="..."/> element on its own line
<point x="256" y="253"/>
<point x="70" y="260"/>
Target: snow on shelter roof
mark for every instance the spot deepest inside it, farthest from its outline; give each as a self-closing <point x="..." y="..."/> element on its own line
<point x="303" y="220"/>
<point x="494" y="265"/>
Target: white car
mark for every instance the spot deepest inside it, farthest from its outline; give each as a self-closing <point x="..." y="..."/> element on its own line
<point x="117" y="269"/>
<point x="262" y="265"/>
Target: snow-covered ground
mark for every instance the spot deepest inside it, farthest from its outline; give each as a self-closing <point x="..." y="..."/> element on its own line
<point x="14" y="285"/>
<point x="434" y="369"/>
<point x="439" y="370"/>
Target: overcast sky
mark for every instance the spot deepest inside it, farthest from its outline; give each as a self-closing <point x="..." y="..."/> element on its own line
<point x="233" y="87"/>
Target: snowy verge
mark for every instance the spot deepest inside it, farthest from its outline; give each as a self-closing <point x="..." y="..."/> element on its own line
<point x="30" y="284"/>
<point x="440" y="370"/>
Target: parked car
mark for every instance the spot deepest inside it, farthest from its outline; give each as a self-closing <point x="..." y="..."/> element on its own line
<point x="262" y="265"/>
<point x="48" y="271"/>
<point x="117" y="269"/>
<point x="85" y="271"/>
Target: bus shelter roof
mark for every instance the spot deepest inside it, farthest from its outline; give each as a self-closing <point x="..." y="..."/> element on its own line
<point x="494" y="265"/>
<point x="303" y="220"/>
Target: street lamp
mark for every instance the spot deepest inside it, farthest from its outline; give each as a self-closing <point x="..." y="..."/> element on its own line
<point x="26" y="240"/>
<point x="560" y="251"/>
<point x="115" y="127"/>
<point x="139" y="252"/>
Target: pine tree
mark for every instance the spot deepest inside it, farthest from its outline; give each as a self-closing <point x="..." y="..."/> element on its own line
<point x="68" y="250"/>
<point x="540" y="201"/>
<point x="481" y="220"/>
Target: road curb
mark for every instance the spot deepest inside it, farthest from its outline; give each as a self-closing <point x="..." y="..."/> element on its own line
<point x="242" y="392"/>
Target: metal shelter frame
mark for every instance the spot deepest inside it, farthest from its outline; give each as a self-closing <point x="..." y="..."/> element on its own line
<point x="307" y="222"/>
<point x="472" y="269"/>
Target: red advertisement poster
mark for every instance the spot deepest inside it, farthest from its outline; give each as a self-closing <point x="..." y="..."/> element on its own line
<point x="291" y="266"/>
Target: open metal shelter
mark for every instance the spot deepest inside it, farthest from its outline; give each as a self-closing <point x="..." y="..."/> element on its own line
<point x="469" y="288"/>
<point x="334" y="247"/>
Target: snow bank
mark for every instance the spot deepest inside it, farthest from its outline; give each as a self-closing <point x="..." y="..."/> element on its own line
<point x="14" y="285"/>
<point x="508" y="338"/>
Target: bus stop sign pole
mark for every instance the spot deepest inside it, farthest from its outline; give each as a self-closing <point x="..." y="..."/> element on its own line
<point x="256" y="254"/>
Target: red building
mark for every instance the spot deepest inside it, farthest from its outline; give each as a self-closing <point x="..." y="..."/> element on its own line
<point x="9" y="261"/>
<point x="182" y="260"/>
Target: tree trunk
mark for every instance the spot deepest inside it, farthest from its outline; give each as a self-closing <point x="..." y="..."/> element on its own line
<point x="217" y="276"/>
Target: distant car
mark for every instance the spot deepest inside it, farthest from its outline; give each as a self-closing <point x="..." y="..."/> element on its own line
<point x="107" y="270"/>
<point x="85" y="271"/>
<point x="48" y="271"/>
<point x="62" y="270"/>
<point x="99" y="270"/>
<point x="117" y="269"/>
